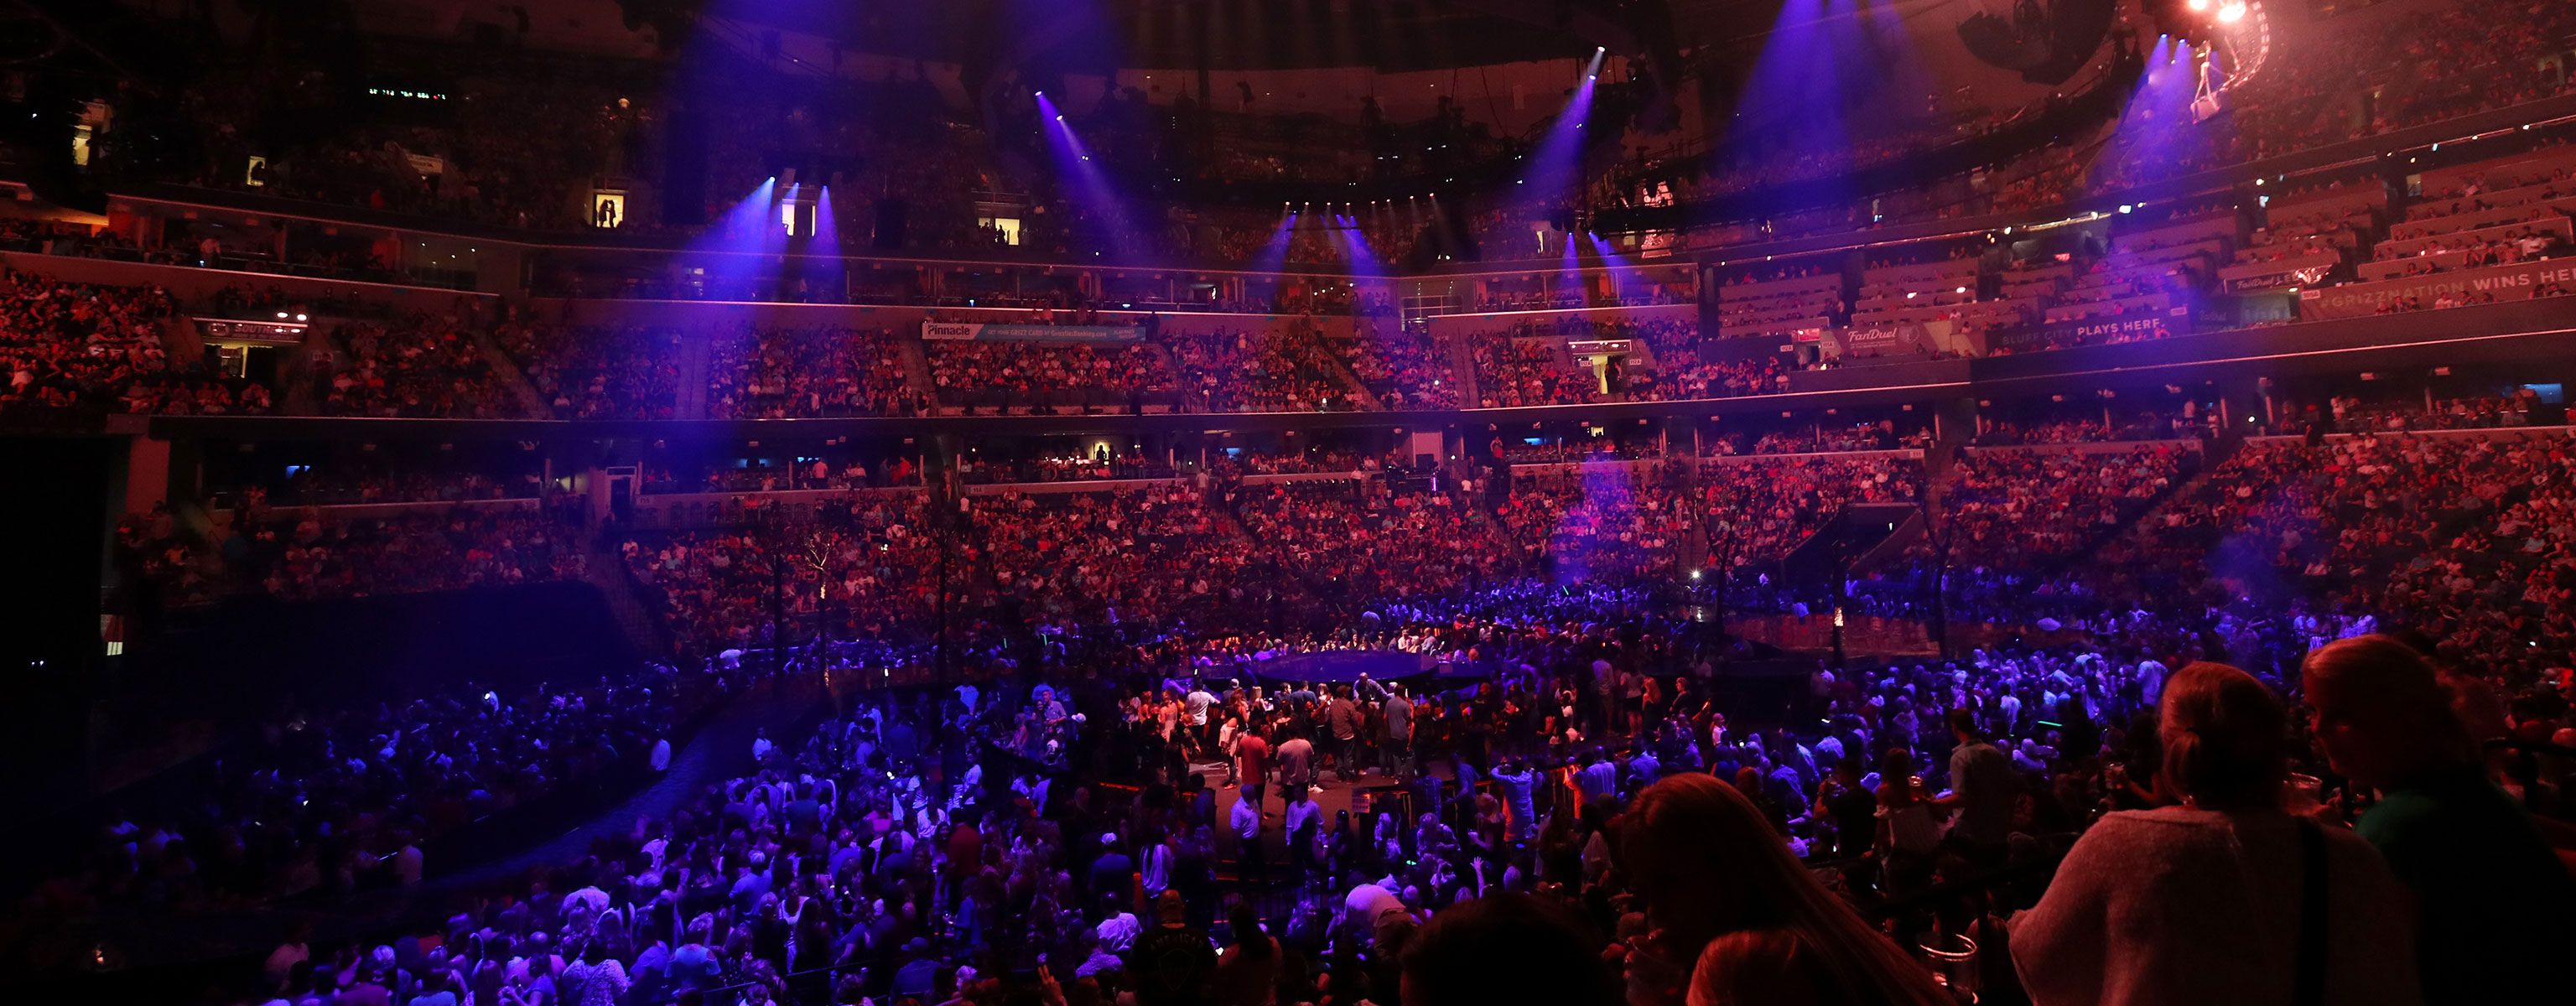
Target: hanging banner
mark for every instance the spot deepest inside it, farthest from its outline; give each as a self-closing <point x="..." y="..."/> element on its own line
<point x="2513" y="281"/>
<point x="976" y="331"/>
<point x="1881" y="340"/>
<point x="2089" y="332"/>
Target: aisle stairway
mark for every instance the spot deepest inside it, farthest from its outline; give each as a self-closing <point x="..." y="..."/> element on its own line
<point x="696" y="355"/>
<point x="1892" y="548"/>
<point x="306" y="369"/>
<point x="916" y="366"/>
<point x="1462" y="362"/>
<point x="179" y="340"/>
<point x="1940" y="471"/>
<point x="1338" y="365"/>
<point x="605" y="568"/>
<point x="2212" y="456"/>
<point x="507" y="371"/>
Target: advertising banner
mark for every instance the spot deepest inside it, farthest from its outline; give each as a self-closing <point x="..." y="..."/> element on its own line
<point x="2089" y="332"/>
<point x="976" y="331"/>
<point x="1904" y="341"/>
<point x="1871" y="341"/>
<point x="2513" y="281"/>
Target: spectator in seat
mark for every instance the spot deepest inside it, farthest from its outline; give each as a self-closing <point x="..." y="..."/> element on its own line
<point x="1706" y="865"/>
<point x="1173" y="962"/>
<point x="1505" y="948"/>
<point x="2213" y="900"/>
<point x="2492" y="901"/>
<point x="1982" y="790"/>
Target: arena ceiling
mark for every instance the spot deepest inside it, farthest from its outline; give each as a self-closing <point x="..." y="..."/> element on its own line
<point x="1389" y="35"/>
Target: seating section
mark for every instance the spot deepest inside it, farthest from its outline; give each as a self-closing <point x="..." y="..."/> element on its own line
<point x="2404" y="412"/>
<point x="1405" y="369"/>
<point x="1595" y="528"/>
<point x="1368" y="539"/>
<point x="1009" y="374"/>
<point x="2348" y="510"/>
<point x="1776" y="303"/>
<point x="2037" y="506"/>
<point x="1516" y="370"/>
<point x="1162" y="554"/>
<point x="78" y="350"/>
<point x="804" y="373"/>
<point x="2150" y="271"/>
<point x="2510" y="210"/>
<point x="420" y="367"/>
<point x="1934" y="291"/>
<point x="1282" y="367"/>
<point x="865" y="564"/>
<point x="594" y="372"/>
<point x="308" y="555"/>
<point x="2308" y="237"/>
<point x="1759" y="507"/>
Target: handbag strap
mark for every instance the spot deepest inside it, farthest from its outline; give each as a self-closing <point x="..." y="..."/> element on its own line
<point x="2311" y="987"/>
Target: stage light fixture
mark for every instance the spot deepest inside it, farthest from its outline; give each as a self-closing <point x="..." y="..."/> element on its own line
<point x="2231" y="13"/>
<point x="2197" y="6"/>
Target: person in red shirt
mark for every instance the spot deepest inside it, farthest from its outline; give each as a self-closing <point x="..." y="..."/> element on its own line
<point x="1251" y="763"/>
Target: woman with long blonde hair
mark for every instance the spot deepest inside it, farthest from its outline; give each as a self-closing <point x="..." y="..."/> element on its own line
<point x="1706" y="866"/>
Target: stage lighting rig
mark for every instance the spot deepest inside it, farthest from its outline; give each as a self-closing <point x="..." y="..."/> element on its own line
<point x="2232" y="39"/>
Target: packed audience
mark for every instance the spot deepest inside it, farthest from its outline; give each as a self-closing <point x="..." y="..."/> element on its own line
<point x="1513" y="371"/>
<point x="419" y="368"/>
<point x="1288" y="367"/>
<point x="2037" y="507"/>
<point x="308" y="555"/>
<point x="343" y="802"/>
<point x="1152" y="607"/>
<point x="81" y="349"/>
<point x="2268" y="718"/>
<point x="1023" y="371"/>
<point x="1405" y="369"/>
<point x="809" y="373"/>
<point x="597" y="372"/>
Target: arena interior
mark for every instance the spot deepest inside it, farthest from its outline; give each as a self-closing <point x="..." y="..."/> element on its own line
<point x="1288" y="502"/>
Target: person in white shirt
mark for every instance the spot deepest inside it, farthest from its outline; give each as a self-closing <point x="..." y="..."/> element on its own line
<point x="1118" y="931"/>
<point x="1196" y="704"/>
<point x="591" y="896"/>
<point x="1246" y="821"/>
<point x="1302" y="821"/>
<point x="1154" y="866"/>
